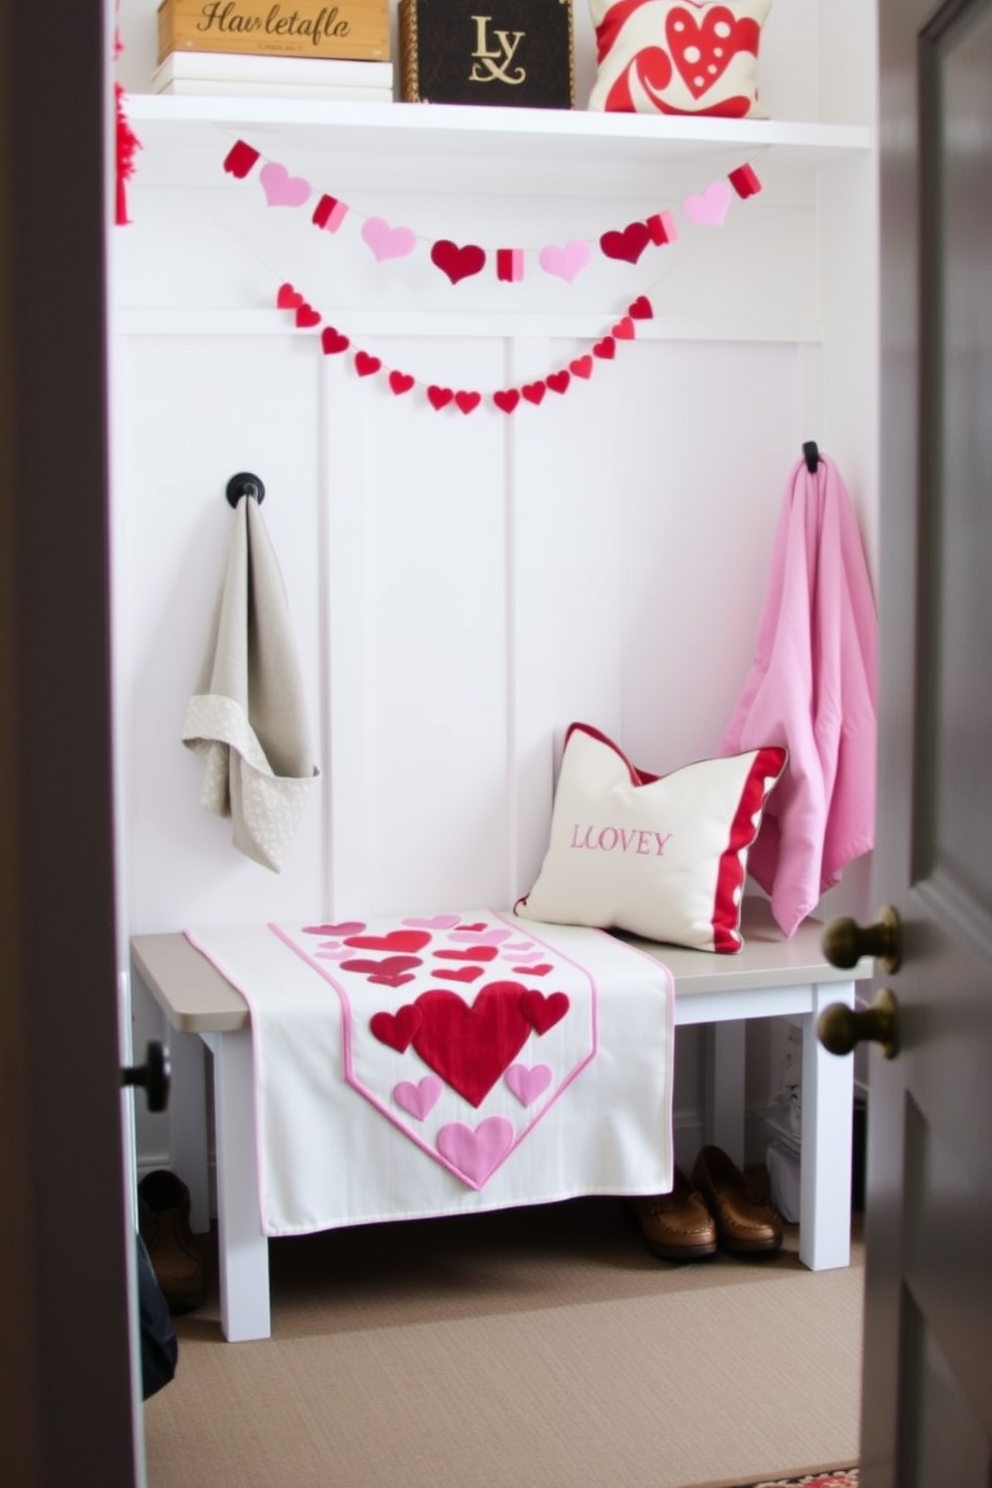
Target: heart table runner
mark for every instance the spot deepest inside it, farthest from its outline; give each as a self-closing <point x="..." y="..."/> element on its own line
<point x="439" y="1064"/>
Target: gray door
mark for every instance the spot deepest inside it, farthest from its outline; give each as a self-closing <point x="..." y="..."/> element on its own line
<point x="928" y="1353"/>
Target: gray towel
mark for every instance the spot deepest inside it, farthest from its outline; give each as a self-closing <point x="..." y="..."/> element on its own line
<point x="247" y="718"/>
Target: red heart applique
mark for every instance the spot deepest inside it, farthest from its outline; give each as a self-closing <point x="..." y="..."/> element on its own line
<point x="366" y="365"/>
<point x="332" y="341"/>
<point x="307" y="317"/>
<point x="506" y="399"/>
<point x="477" y="925"/>
<point x="460" y="973"/>
<point x="703" y="51"/>
<point x="628" y="244"/>
<point x="471" y="1047"/>
<point x="439" y="397"/>
<point x="543" y="1012"/>
<point x="396" y="1029"/>
<point x="466" y="401"/>
<point x="458" y="263"/>
<point x="400" y="382"/>
<point x="624" y="329"/>
<point x="288" y="298"/>
<point x="393" y="940"/>
<point x="540" y="968"/>
<point x="471" y="953"/>
<point x="534" y="391"/>
<point x="641" y="308"/>
<point x="606" y="348"/>
<point x="390" y="972"/>
<point x="558" y="381"/>
<point x="581" y="366"/>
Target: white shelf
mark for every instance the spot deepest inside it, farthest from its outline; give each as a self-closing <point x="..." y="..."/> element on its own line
<point x="454" y="147"/>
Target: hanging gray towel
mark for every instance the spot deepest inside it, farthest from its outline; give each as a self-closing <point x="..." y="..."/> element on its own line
<point x="247" y="718"/>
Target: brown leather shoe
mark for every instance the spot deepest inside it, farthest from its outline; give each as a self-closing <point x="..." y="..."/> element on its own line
<point x="676" y="1226"/>
<point x="163" y="1223"/>
<point x="744" y="1222"/>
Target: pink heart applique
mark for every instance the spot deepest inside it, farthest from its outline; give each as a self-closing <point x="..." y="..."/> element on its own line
<point x="435" y="922"/>
<point x="481" y="937"/>
<point x="281" y="189"/>
<point x="543" y="1012"/>
<point x="350" y="927"/>
<point x="396" y="1029"/>
<point x="387" y="242"/>
<point x="420" y="1099"/>
<point x="566" y="262"/>
<point x="527" y="1084"/>
<point x="709" y="207"/>
<point x="331" y="953"/>
<point x="476" y="1153"/>
<point x="458" y="263"/>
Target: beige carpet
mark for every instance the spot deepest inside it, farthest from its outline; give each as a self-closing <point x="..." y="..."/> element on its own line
<point x="535" y="1348"/>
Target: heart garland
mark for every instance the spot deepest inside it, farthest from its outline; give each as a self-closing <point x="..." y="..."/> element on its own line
<point x="334" y="343"/>
<point x="456" y="261"/>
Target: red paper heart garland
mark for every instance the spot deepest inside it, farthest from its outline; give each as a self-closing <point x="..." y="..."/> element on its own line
<point x="465" y="400"/>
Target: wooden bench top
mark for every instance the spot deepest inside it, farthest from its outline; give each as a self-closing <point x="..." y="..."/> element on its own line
<point x="197" y="999"/>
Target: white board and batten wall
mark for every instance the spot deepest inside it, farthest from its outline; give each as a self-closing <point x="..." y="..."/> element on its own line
<point x="463" y="587"/>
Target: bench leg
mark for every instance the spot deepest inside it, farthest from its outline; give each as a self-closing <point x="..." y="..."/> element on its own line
<point x="827" y="1120"/>
<point x="188" y="1125"/>
<point x="242" y="1247"/>
<point x="725" y="1070"/>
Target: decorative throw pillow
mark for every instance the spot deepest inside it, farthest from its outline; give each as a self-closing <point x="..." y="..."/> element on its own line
<point x="678" y="56"/>
<point x="664" y="857"/>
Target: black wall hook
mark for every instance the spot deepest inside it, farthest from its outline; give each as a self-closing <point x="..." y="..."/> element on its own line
<point x="811" y="455"/>
<point x="244" y="484"/>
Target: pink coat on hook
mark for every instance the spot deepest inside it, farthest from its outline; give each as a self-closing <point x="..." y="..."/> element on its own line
<point x="812" y="687"/>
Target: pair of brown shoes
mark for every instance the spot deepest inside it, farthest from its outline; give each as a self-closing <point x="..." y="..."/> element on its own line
<point x="163" y="1222"/>
<point x="719" y="1207"/>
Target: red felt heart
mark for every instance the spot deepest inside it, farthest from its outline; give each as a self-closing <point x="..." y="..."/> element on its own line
<point x="581" y="366"/>
<point x="390" y="972"/>
<point x="350" y="927"/>
<point x="467" y="401"/>
<point x="543" y="1012"/>
<point x="624" y="329"/>
<point x="641" y="308"/>
<point x="606" y="348"/>
<point x="628" y="244"/>
<point x="332" y="341"/>
<point x="703" y="51"/>
<point x="471" y="953"/>
<point x="307" y="317"/>
<point x="396" y="1029"/>
<point x="476" y="925"/>
<point x="558" y="381"/>
<point x="506" y="399"/>
<point x="471" y="1047"/>
<point x="393" y="940"/>
<point x="458" y="263"/>
<point x="288" y="298"/>
<point x="400" y="382"/>
<point x="541" y="968"/>
<point x="460" y="973"/>
<point x="534" y="391"/>
<point x="439" y="397"/>
<point x="365" y="364"/>
<point x="239" y="159"/>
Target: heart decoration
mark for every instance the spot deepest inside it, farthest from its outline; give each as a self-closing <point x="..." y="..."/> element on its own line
<point x="350" y="927"/>
<point x="558" y="381"/>
<point x="703" y="50"/>
<point x="418" y="1100"/>
<point x="527" y="1084"/>
<point x="641" y="308"/>
<point x="607" y="348"/>
<point x="391" y="972"/>
<point x="471" y="1046"/>
<point x="566" y="262"/>
<point x="366" y="365"/>
<point x="476" y="1153"/>
<point x="460" y="973"/>
<point x="288" y="298"/>
<point x="543" y="1012"/>
<point x="394" y="940"/>
<point x="506" y="399"/>
<point x="332" y="342"/>
<point x="458" y="263"/>
<point x="466" y="401"/>
<point x="627" y="245"/>
<point x="534" y="391"/>
<point x="539" y="968"/>
<point x="439" y="397"/>
<point x="470" y="953"/>
<point x="281" y="189"/>
<point x="711" y="206"/>
<point x="624" y="329"/>
<point x="307" y="317"/>
<point x="581" y="366"/>
<point x="239" y="159"/>
<point x="434" y="922"/>
<point x="396" y="1029"/>
<point x="401" y="382"/>
<point x="480" y="936"/>
<point x="387" y="242"/>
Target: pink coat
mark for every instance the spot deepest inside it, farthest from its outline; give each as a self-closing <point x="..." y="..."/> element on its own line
<point x="811" y="687"/>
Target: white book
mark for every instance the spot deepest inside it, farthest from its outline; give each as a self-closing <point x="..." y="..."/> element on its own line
<point x="240" y="68"/>
<point x="225" y="88"/>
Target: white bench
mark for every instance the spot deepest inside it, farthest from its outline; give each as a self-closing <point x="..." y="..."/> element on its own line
<point x="769" y="978"/>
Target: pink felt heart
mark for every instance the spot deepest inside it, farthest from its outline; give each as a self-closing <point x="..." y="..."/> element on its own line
<point x="581" y="366"/>
<point x="387" y="242"/>
<point x="477" y="1153"/>
<point x="481" y="937"/>
<point x="458" y="263"/>
<point x="466" y="401"/>
<point x="566" y="262"/>
<point x="350" y="927"/>
<point x="506" y="399"/>
<point x="709" y="207"/>
<point x="534" y="391"/>
<point x="393" y="940"/>
<point x="307" y="317"/>
<point x="471" y="1046"/>
<point x="519" y="947"/>
<point x="628" y="244"/>
<point x="418" y="1100"/>
<point x="543" y="1012"/>
<point x="527" y="1084"/>
<point x="330" y="953"/>
<point x="365" y="364"/>
<point x="401" y="382"/>
<point x="281" y="189"/>
<point x="433" y="922"/>
<point x="439" y="397"/>
<point x="558" y="381"/>
<point x="396" y="1029"/>
<point x="333" y="342"/>
<point x="288" y="298"/>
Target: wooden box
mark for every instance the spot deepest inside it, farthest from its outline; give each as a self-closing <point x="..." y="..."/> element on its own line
<point x="518" y="52"/>
<point x="357" y="29"/>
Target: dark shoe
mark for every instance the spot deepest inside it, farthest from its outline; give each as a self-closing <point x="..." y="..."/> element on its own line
<point x="744" y="1222"/>
<point x="163" y="1222"/>
<point x="676" y="1226"/>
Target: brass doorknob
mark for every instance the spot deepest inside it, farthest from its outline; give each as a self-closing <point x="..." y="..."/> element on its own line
<point x="845" y="941"/>
<point x="839" y="1028"/>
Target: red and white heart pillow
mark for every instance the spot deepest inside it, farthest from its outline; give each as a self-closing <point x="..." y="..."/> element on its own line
<point x="678" y="56"/>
